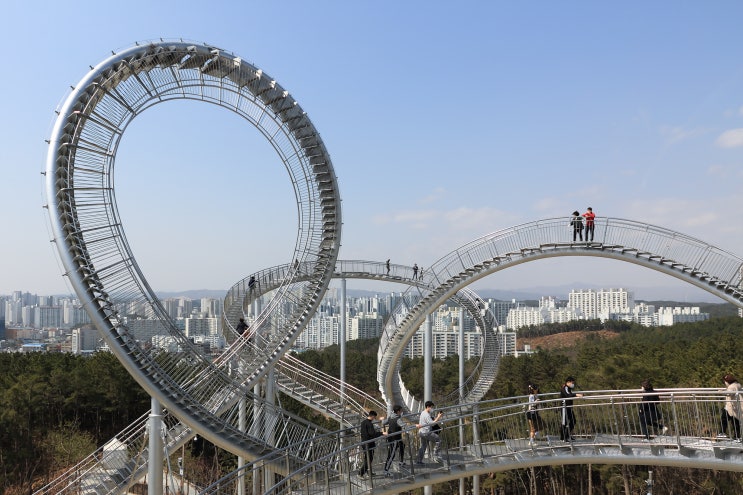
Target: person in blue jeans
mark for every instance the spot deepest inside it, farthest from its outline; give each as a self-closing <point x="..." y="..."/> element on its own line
<point x="427" y="434"/>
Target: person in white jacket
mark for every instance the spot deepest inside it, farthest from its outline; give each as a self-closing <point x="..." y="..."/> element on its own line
<point x="732" y="413"/>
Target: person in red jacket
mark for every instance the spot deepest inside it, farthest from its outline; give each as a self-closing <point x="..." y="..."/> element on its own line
<point x="590" y="217"/>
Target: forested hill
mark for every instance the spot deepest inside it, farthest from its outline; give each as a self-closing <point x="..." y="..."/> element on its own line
<point x="57" y="408"/>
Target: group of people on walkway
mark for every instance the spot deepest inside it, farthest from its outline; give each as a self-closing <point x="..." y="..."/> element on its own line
<point x="650" y="417"/>
<point x="576" y="223"/>
<point x="649" y="414"/>
<point x="428" y="427"/>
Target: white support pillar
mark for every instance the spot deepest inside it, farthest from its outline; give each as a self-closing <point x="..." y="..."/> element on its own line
<point x="255" y="430"/>
<point x="258" y="419"/>
<point x="270" y="419"/>
<point x="427" y="372"/>
<point x="461" y="390"/>
<point x="342" y="342"/>
<point x="242" y="425"/>
<point x="427" y="359"/>
<point x="155" y="450"/>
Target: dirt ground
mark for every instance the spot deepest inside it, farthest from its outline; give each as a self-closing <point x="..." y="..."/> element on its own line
<point x="560" y="340"/>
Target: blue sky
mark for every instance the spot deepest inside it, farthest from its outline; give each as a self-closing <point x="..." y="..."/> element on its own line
<point x="445" y="121"/>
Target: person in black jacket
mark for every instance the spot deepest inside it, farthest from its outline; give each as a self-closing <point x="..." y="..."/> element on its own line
<point x="368" y="434"/>
<point x="567" y="422"/>
<point x="395" y="444"/>
<point x="649" y="410"/>
<point x="577" y="223"/>
<point x="241" y="326"/>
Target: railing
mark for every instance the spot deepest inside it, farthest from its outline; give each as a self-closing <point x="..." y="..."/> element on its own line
<point x="608" y="426"/>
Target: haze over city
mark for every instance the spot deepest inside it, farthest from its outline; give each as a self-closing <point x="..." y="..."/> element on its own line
<point x="444" y="123"/>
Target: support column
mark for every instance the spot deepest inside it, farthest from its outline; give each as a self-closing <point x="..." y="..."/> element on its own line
<point x="242" y="425"/>
<point x="427" y="372"/>
<point x="427" y="359"/>
<point x="269" y="422"/>
<point x="461" y="390"/>
<point x="255" y="430"/>
<point x="342" y="343"/>
<point x="257" y="424"/>
<point x="155" y="450"/>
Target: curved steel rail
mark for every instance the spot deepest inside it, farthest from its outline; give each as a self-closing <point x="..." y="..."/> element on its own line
<point x="242" y="295"/>
<point x="684" y="257"/>
<point x="90" y="237"/>
<point x="608" y="431"/>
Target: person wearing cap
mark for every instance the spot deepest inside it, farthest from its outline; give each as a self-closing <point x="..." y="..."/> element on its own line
<point x="368" y="434"/>
<point x="532" y="414"/>
<point x="732" y="412"/>
<point x="649" y="410"/>
<point x="567" y="417"/>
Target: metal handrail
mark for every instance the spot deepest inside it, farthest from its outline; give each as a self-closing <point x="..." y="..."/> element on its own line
<point x="608" y="423"/>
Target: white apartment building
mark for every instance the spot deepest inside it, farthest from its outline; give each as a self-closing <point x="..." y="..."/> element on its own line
<point x="446" y="343"/>
<point x="601" y="303"/>
<point x="73" y="314"/>
<point x="365" y="326"/>
<point x="547" y="312"/>
<point x="322" y="331"/>
<point x="48" y="316"/>
<point x="668" y="316"/>
<point x="202" y="326"/>
<point x="84" y="339"/>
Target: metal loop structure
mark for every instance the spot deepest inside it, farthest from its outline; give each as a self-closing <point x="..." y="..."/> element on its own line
<point x="204" y="394"/>
<point x="90" y="236"/>
<point x="681" y="256"/>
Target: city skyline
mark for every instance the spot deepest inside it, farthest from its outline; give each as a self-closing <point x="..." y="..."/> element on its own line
<point x="443" y="127"/>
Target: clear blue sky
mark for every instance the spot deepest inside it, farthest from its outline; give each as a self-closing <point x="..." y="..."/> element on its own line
<point x="445" y="121"/>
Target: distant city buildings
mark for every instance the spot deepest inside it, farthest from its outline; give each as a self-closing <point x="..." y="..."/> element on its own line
<point x="601" y="304"/>
<point x="60" y="323"/>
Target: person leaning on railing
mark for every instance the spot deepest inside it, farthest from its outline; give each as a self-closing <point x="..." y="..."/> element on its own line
<point x="532" y="414"/>
<point x="567" y="420"/>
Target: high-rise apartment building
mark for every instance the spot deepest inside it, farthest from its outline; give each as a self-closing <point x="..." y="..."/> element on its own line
<point x="84" y="339"/>
<point x="202" y="326"/>
<point x="600" y="303"/>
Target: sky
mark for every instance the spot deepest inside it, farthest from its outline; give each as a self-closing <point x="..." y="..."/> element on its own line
<point x="445" y="121"/>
